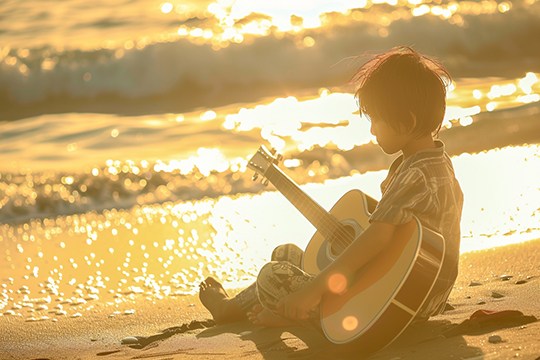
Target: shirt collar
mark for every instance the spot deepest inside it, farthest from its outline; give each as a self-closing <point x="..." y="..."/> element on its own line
<point x="437" y="151"/>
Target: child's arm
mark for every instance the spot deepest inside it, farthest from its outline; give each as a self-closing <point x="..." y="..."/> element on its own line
<point x="372" y="241"/>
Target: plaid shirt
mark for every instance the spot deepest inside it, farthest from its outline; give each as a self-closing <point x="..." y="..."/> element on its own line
<point x="424" y="185"/>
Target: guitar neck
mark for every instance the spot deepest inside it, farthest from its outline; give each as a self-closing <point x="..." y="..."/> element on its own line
<point x="323" y="221"/>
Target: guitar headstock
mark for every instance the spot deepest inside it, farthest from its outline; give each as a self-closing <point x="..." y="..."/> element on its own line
<point x="262" y="160"/>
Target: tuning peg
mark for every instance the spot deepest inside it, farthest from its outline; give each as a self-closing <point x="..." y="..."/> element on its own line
<point x="279" y="157"/>
<point x="273" y="151"/>
<point x="264" y="182"/>
<point x="255" y="176"/>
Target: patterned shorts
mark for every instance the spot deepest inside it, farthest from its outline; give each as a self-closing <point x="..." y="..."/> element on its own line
<point x="277" y="279"/>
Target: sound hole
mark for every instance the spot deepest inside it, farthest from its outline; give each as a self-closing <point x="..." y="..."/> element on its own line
<point x="341" y="240"/>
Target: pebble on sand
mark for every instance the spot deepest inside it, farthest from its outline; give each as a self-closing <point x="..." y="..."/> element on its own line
<point x="495" y="339"/>
<point x="496" y="295"/>
<point x="76" y="315"/>
<point x="130" y="340"/>
<point x="129" y="312"/>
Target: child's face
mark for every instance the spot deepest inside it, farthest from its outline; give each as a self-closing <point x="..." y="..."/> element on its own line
<point x="388" y="139"/>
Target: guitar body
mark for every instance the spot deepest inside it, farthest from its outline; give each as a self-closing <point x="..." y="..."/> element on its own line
<point x="352" y="211"/>
<point x="389" y="291"/>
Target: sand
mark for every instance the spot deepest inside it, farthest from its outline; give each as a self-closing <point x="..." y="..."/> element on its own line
<point x="504" y="278"/>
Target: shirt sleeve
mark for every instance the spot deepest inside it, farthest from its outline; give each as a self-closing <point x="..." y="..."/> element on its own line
<point x="405" y="196"/>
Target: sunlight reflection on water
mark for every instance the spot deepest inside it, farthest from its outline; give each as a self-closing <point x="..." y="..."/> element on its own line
<point x="216" y="24"/>
<point x="166" y="250"/>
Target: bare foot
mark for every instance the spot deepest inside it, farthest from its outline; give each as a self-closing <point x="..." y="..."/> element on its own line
<point x="261" y="316"/>
<point x="214" y="297"/>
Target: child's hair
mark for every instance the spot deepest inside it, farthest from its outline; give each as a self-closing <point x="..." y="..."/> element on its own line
<point x="400" y="85"/>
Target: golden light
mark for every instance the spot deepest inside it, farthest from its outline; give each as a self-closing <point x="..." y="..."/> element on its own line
<point x="292" y="163"/>
<point x="526" y="99"/>
<point x="422" y="10"/>
<point x="226" y="22"/>
<point x="182" y="31"/>
<point x="72" y="147"/>
<point x="208" y="115"/>
<point x="383" y="32"/>
<point x="491" y="106"/>
<point x="527" y="82"/>
<point x="466" y="121"/>
<point x="166" y="8"/>
<point x="504" y="6"/>
<point x="327" y="120"/>
<point x="23" y="53"/>
<point x="47" y="64"/>
<point x="350" y="323"/>
<point x="308" y="41"/>
<point x="337" y="283"/>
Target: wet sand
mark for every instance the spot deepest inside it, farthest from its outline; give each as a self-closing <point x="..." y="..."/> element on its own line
<point x="504" y="278"/>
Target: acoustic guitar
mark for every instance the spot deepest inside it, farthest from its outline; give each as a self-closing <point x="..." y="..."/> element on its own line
<point x="388" y="292"/>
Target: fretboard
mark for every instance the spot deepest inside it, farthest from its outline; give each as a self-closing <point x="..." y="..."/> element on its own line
<point x="323" y="221"/>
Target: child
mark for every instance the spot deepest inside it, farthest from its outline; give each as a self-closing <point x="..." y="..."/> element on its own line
<point x="403" y="94"/>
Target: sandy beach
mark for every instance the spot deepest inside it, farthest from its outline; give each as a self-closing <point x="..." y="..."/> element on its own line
<point x="179" y="327"/>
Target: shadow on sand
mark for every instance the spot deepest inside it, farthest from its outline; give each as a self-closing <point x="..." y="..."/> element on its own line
<point x="423" y="341"/>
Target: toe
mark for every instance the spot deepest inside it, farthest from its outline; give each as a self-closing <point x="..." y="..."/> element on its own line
<point x="257" y="308"/>
<point x="210" y="281"/>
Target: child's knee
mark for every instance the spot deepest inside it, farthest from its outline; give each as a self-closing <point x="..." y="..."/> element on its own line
<point x="266" y="269"/>
<point x="288" y="252"/>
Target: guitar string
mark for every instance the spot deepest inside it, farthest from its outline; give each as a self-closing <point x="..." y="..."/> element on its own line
<point x="342" y="237"/>
<point x="330" y="227"/>
<point x="339" y="234"/>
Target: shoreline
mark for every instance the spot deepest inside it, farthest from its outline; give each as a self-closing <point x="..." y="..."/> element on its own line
<point x="496" y="279"/>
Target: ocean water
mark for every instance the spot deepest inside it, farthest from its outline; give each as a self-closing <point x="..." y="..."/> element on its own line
<point x="126" y="126"/>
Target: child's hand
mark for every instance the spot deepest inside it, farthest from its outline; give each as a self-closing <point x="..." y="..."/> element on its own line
<point x="296" y="305"/>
